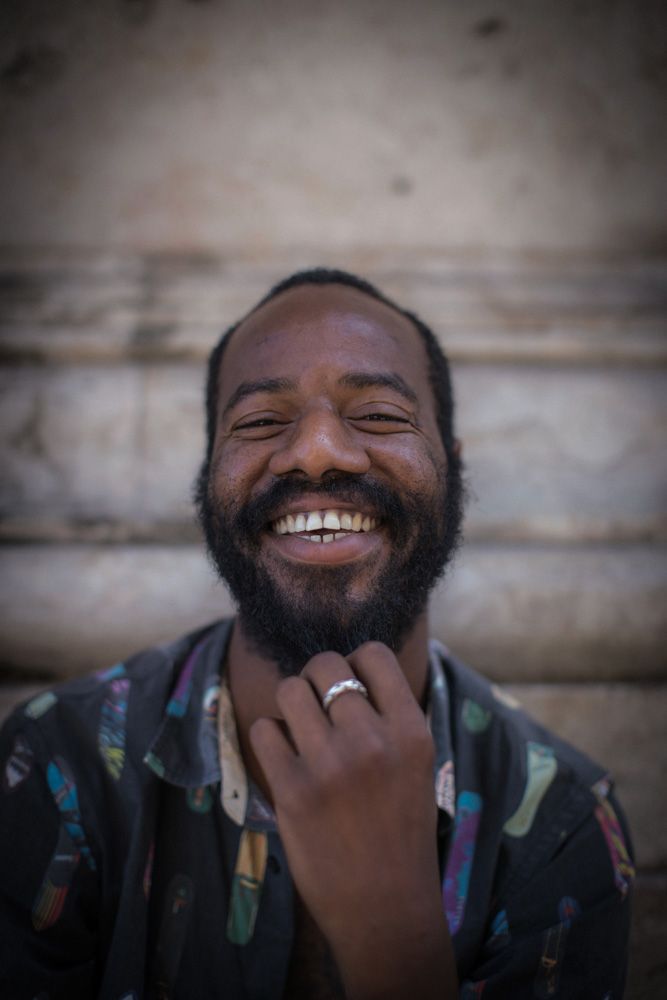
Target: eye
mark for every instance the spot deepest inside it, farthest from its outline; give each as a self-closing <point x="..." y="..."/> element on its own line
<point x="390" y="417"/>
<point x="381" y="422"/>
<point x="259" y="422"/>
<point x="259" y="426"/>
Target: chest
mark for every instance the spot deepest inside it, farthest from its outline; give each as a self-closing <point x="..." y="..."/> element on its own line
<point x="312" y="973"/>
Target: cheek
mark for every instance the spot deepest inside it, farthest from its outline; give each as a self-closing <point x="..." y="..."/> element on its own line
<point x="235" y="472"/>
<point x="413" y="466"/>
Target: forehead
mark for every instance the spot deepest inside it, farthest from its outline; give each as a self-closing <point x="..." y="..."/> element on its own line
<point x="314" y="329"/>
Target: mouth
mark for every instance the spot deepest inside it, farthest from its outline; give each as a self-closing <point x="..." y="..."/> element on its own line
<point x="324" y="526"/>
<point x="331" y="535"/>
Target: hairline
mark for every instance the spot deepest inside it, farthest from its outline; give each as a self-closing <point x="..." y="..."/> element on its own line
<point x="311" y="278"/>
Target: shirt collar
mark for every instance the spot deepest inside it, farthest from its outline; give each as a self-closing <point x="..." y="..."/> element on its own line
<point x="184" y="750"/>
<point x="438" y="718"/>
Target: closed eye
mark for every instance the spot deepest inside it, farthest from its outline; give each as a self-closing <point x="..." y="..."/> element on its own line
<point x="382" y="423"/>
<point x="384" y="416"/>
<point x="259" y="427"/>
<point x="259" y="422"/>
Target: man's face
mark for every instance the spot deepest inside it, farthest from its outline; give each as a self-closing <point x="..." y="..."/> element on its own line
<point x="326" y="502"/>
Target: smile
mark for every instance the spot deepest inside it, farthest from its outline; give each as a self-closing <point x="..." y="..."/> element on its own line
<point x="324" y="526"/>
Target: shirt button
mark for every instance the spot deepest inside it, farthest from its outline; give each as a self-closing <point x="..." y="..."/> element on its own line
<point x="273" y="864"/>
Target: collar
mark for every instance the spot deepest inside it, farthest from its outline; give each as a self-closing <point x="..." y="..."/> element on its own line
<point x="184" y="750"/>
<point x="438" y="718"/>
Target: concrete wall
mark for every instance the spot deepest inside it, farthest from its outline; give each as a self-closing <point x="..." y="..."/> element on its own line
<point x="234" y="123"/>
<point x="499" y="167"/>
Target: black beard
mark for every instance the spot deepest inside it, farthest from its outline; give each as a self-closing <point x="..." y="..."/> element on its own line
<point x="318" y="613"/>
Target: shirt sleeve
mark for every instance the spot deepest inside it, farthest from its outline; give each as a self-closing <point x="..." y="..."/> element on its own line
<point x="48" y="874"/>
<point x="565" y="932"/>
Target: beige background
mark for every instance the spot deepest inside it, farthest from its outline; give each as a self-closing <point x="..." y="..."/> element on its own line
<point x="499" y="167"/>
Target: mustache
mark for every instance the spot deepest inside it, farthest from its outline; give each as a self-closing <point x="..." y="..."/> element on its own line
<point x="360" y="490"/>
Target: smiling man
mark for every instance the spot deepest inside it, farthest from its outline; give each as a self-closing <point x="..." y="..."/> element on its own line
<point x="311" y="800"/>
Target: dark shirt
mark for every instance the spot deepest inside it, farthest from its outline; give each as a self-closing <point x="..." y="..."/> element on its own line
<point x="134" y="864"/>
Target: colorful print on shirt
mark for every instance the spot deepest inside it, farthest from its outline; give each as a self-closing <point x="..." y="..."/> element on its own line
<point x="199" y="799"/>
<point x="541" y="767"/>
<point x="472" y="991"/>
<point x="553" y="950"/>
<point x="53" y="891"/>
<point x="445" y="788"/>
<point x="210" y="703"/>
<point x="504" y="697"/>
<point x="179" y="701"/>
<point x="71" y="846"/>
<point x="624" y="870"/>
<point x="461" y="854"/>
<point x="111" y="673"/>
<point x="475" y="718"/>
<point x="63" y="788"/>
<point x="176" y="915"/>
<point x="500" y="931"/>
<point x="40" y="705"/>
<point x="247" y="886"/>
<point x="18" y="765"/>
<point x="111" y="733"/>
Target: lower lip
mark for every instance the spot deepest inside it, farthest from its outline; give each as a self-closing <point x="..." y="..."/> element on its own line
<point x="341" y="550"/>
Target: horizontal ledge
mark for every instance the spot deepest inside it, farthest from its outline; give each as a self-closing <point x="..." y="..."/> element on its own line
<point x="636" y="344"/>
<point x="518" y="612"/>
<point x="554" y="531"/>
<point x="75" y="307"/>
<point x="533" y="270"/>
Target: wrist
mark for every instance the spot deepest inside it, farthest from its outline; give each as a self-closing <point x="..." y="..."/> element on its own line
<point x="406" y="953"/>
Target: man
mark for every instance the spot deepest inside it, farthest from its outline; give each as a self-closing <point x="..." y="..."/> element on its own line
<point x="311" y="800"/>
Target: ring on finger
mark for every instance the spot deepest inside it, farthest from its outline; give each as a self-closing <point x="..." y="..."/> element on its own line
<point x="339" y="688"/>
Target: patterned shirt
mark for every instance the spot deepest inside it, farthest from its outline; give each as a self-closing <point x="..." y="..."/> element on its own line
<point x="139" y="859"/>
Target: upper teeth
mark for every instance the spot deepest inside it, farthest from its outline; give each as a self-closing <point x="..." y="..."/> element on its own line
<point x="315" y="520"/>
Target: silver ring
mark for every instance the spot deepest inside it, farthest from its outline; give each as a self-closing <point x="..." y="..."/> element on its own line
<point x="340" y="687"/>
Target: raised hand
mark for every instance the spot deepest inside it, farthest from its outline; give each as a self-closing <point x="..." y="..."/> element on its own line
<point x="353" y="793"/>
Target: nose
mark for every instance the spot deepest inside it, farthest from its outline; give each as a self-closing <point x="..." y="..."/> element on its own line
<point x="319" y="443"/>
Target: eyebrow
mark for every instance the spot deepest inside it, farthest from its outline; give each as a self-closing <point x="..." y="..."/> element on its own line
<point x="352" y="380"/>
<point x="259" y="385"/>
<point x="382" y="380"/>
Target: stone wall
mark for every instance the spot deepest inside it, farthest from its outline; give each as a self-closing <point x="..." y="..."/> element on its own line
<point x="498" y="168"/>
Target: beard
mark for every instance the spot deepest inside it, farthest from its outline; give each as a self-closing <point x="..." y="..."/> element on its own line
<point x="313" y="609"/>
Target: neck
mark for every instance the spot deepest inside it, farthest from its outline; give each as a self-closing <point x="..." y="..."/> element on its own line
<point x="253" y="680"/>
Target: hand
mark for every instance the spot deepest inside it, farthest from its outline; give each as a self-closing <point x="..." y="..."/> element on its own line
<point x="353" y="794"/>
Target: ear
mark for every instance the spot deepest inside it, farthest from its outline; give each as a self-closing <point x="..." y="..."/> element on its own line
<point x="457" y="447"/>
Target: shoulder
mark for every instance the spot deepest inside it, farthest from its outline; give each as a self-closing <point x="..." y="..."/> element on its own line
<point x="108" y="717"/>
<point x="491" y="730"/>
<point x="533" y="790"/>
<point x="539" y="850"/>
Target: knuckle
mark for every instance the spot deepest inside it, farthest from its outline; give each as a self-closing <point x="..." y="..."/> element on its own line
<point x="324" y="668"/>
<point x="294" y="802"/>
<point x="330" y="765"/>
<point x="371" y="755"/>
<point x="375" y="747"/>
<point x="322" y="660"/>
<point x="374" y="649"/>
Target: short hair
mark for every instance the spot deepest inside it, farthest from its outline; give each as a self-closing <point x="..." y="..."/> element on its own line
<point x="438" y="365"/>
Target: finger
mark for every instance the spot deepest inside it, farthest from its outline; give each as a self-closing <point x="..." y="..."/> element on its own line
<point x="326" y="670"/>
<point x="300" y="708"/>
<point x="376" y="665"/>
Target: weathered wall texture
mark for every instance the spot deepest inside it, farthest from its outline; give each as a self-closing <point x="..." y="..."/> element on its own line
<point x="500" y="168"/>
